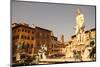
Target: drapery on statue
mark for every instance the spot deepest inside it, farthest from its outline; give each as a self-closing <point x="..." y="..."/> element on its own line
<point x="79" y="29"/>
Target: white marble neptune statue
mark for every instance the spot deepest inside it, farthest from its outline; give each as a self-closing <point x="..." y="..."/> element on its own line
<point x="79" y="29"/>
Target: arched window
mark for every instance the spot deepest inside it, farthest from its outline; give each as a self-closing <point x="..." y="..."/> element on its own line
<point x="22" y="36"/>
<point x="27" y="45"/>
<point x="32" y="37"/>
<point x="31" y="45"/>
<point x="25" y="37"/>
<point x="19" y="30"/>
<point x="28" y="37"/>
<point x="22" y="30"/>
<point x="32" y="32"/>
<point x="28" y="31"/>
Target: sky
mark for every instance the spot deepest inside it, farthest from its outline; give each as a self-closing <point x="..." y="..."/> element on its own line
<point x="60" y="18"/>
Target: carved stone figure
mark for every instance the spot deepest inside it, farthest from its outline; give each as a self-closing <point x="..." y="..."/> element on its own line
<point x="42" y="52"/>
<point x="79" y="26"/>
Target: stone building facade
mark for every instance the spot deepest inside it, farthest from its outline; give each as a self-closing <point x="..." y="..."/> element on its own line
<point x="27" y="40"/>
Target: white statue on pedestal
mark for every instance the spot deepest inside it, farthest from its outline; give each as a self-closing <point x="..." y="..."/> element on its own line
<point x="42" y="52"/>
<point x="18" y="58"/>
<point x="79" y="26"/>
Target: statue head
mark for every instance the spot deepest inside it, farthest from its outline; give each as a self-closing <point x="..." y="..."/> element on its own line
<point x="78" y="10"/>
